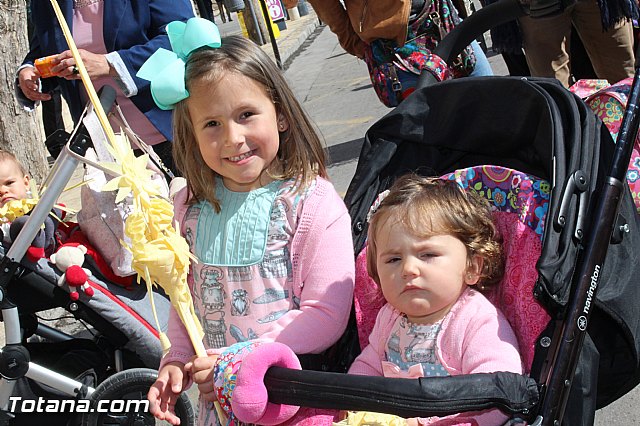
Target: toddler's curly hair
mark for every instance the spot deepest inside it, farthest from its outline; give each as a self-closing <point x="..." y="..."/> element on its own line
<point x="428" y="206"/>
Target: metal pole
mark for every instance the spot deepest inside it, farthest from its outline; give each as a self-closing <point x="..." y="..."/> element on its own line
<point x="276" y="52"/>
<point x="255" y="22"/>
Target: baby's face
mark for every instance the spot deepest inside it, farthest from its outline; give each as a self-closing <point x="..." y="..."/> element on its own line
<point x="421" y="277"/>
<point x="13" y="184"/>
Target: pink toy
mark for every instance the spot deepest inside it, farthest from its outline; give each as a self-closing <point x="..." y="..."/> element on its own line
<point x="69" y="259"/>
<point x="246" y="364"/>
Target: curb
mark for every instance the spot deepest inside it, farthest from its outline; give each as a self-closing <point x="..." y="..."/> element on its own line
<point x="305" y="32"/>
<point x="292" y="39"/>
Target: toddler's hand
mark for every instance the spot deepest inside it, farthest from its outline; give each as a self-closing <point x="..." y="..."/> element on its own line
<point x="164" y="393"/>
<point x="201" y="370"/>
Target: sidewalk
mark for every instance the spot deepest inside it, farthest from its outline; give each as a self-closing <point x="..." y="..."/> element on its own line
<point x="290" y="39"/>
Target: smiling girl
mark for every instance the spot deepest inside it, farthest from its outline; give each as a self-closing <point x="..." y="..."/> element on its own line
<point x="271" y="234"/>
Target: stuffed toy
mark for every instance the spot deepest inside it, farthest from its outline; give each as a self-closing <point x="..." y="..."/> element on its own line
<point x="69" y="259"/>
<point x="44" y="239"/>
<point x="239" y="382"/>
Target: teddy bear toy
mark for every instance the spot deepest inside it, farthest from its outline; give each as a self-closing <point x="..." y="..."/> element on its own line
<point x="69" y="260"/>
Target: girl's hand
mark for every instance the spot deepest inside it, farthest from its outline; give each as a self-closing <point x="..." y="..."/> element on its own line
<point x="96" y="65"/>
<point x="164" y="393"/>
<point x="29" y="81"/>
<point x="201" y="369"/>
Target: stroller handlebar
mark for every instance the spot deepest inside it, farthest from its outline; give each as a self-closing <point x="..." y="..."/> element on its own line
<point x="434" y="396"/>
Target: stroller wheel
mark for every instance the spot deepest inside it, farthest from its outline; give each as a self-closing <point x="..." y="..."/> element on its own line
<point x="130" y="385"/>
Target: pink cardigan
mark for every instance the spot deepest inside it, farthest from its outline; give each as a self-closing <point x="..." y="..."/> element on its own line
<point x="323" y="275"/>
<point x="475" y="338"/>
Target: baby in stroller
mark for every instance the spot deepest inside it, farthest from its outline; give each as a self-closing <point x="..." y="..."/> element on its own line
<point x="546" y="185"/>
<point x="14" y="179"/>
<point x="15" y="195"/>
<point x="432" y="249"/>
<point x="119" y="358"/>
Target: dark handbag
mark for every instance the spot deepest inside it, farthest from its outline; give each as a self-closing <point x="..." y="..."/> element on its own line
<point x="394" y="70"/>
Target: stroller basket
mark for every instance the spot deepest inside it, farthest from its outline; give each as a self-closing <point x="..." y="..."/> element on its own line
<point x="587" y="356"/>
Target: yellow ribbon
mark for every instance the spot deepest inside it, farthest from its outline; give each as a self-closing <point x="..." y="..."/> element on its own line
<point x="192" y="324"/>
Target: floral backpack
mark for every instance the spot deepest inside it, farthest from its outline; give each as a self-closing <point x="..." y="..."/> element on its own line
<point x="394" y="70"/>
<point x="609" y="103"/>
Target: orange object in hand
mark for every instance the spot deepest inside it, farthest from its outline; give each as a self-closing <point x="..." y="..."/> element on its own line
<point x="44" y="65"/>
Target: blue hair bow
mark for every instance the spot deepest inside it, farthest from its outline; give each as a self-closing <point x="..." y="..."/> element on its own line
<point x="165" y="69"/>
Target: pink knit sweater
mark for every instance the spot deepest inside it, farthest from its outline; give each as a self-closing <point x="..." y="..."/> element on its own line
<point x="323" y="271"/>
<point x="475" y="337"/>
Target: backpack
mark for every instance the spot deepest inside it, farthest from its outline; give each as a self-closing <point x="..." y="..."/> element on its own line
<point x="394" y="70"/>
<point x="609" y="103"/>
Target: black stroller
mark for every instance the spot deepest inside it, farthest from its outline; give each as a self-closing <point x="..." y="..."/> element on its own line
<point x="100" y="379"/>
<point x="584" y="284"/>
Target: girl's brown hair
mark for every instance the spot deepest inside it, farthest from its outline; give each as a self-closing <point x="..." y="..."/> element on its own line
<point x="432" y="206"/>
<point x="300" y="155"/>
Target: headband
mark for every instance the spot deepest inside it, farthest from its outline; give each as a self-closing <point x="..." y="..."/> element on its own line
<point x="165" y="69"/>
<point x="376" y="204"/>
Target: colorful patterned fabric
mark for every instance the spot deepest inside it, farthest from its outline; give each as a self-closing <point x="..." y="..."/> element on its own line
<point x="508" y="191"/>
<point x="520" y="203"/>
<point x="394" y="70"/>
<point x="224" y="377"/>
<point x="609" y="103"/>
<point x="586" y="87"/>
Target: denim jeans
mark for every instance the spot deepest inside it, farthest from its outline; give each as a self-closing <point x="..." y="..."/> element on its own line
<point x="483" y="67"/>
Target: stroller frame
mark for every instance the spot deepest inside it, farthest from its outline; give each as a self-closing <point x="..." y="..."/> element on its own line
<point x="544" y="400"/>
<point x="15" y="358"/>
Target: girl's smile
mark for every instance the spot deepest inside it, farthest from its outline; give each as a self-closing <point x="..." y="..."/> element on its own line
<point x="241" y="157"/>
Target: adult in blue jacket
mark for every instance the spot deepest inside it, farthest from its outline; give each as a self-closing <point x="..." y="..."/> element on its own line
<point x="114" y="37"/>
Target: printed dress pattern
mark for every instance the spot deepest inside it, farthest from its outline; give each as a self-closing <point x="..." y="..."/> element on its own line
<point x="240" y="303"/>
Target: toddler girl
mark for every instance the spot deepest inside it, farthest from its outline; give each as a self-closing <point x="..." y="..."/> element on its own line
<point x="430" y="245"/>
